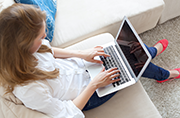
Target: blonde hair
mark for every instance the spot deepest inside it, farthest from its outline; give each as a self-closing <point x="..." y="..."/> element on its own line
<point x="20" y="24"/>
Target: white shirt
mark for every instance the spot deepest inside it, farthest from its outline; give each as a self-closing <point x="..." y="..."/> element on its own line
<point x="54" y="96"/>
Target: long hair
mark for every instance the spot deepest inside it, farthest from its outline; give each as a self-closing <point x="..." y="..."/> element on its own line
<point x="20" y="25"/>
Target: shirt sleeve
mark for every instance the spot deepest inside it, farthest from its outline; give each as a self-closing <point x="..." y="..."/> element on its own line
<point x="37" y="96"/>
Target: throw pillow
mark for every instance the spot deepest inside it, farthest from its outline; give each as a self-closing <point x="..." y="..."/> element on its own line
<point x="50" y="7"/>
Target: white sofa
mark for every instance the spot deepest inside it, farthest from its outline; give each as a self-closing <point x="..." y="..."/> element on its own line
<point x="82" y="24"/>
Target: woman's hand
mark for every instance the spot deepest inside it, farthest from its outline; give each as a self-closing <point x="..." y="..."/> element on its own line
<point x="105" y="78"/>
<point x="102" y="79"/>
<point x="89" y="54"/>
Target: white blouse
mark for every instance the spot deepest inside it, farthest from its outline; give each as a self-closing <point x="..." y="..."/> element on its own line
<point x="54" y="96"/>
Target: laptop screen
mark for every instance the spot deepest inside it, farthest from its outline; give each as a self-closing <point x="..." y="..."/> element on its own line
<point x="131" y="48"/>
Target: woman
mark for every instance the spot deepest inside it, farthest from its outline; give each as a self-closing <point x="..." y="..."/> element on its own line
<point x="48" y="79"/>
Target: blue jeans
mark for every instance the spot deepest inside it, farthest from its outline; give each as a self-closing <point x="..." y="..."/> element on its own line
<point x="96" y="101"/>
<point x="152" y="71"/>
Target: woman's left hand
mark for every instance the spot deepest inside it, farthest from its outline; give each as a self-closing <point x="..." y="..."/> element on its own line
<point x="89" y="54"/>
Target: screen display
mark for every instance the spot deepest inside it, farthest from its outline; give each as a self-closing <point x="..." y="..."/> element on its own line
<point x="131" y="48"/>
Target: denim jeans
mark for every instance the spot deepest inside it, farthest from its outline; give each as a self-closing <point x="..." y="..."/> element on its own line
<point x="152" y="71"/>
<point x="96" y="101"/>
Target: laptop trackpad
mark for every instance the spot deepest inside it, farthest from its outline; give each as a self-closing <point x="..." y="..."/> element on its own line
<point x="93" y="68"/>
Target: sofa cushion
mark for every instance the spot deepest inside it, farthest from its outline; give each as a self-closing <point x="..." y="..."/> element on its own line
<point x="12" y="107"/>
<point x="50" y="7"/>
<point x="9" y="109"/>
<point x="5" y="3"/>
<point x="77" y="20"/>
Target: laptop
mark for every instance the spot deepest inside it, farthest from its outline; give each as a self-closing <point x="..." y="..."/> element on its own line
<point x="128" y="53"/>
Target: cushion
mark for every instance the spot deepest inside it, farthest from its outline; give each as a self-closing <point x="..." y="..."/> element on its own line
<point x="77" y="20"/>
<point x="12" y="107"/>
<point x="50" y="7"/>
<point x="5" y="3"/>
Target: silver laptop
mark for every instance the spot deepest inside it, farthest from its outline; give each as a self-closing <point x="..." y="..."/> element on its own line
<point x="128" y="54"/>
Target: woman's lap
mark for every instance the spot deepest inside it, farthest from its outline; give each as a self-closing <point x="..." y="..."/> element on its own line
<point x="96" y="101"/>
<point x="152" y="71"/>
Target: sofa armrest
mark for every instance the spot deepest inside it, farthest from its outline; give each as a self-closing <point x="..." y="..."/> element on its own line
<point x="131" y="102"/>
<point x="9" y="109"/>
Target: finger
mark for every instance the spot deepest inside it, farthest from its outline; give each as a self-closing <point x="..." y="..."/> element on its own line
<point x="114" y="72"/>
<point x="111" y="69"/>
<point x="108" y="73"/>
<point x="115" y="75"/>
<point x="97" y="61"/>
<point x="102" y="54"/>
<point x="106" y="55"/>
<point x="103" y="69"/>
<point x="98" y="47"/>
<point x="115" y="80"/>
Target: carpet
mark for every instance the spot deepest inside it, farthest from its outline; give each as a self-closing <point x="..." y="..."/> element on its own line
<point x="165" y="96"/>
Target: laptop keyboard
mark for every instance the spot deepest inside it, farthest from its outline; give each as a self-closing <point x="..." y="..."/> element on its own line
<point x="114" y="61"/>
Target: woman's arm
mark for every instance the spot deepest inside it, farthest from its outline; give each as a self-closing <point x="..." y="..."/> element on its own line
<point x="102" y="79"/>
<point x="87" y="55"/>
<point x="63" y="53"/>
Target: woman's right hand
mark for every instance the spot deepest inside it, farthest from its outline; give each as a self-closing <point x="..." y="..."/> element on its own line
<point x="104" y="78"/>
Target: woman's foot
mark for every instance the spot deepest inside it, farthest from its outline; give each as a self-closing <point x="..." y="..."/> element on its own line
<point x="174" y="74"/>
<point x="161" y="46"/>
